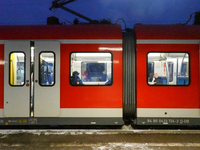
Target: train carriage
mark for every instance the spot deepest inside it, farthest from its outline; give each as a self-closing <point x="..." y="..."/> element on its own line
<point x="172" y="52"/>
<point x="46" y="96"/>
<point x="147" y="76"/>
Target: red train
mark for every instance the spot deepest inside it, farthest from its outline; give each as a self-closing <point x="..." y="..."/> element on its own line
<point x="98" y="75"/>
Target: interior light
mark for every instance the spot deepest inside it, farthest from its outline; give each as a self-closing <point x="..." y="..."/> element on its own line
<point x="110" y="49"/>
<point x="93" y="54"/>
<point x="20" y="54"/>
<point x="153" y="54"/>
<point x="49" y="59"/>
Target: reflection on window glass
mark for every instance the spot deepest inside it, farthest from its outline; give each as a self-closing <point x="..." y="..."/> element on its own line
<point x="91" y="69"/>
<point x="17" y="61"/>
<point x="168" y="68"/>
<point x="46" y="71"/>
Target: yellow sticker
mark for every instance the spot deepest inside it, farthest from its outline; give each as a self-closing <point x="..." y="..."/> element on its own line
<point x="24" y="121"/>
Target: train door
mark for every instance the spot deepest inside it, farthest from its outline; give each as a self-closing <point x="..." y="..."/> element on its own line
<point x="28" y="94"/>
<point x="47" y="79"/>
<point x="17" y="79"/>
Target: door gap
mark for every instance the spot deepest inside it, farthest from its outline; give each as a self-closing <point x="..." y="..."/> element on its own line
<point x="32" y="47"/>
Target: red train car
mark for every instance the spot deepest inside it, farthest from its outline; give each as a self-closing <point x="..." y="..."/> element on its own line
<point x="97" y="75"/>
<point x="37" y="63"/>
<point x="172" y="51"/>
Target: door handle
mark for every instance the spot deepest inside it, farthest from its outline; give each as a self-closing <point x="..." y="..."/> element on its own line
<point x="27" y="83"/>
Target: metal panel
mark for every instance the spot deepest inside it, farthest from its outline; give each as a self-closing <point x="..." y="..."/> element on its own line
<point x="47" y="98"/>
<point x="62" y="121"/>
<point x="91" y="112"/>
<point x="168" y="121"/>
<point x="17" y="98"/>
<point x="156" y="112"/>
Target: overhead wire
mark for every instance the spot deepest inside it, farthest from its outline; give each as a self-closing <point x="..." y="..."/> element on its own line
<point x="62" y="17"/>
<point x="189" y="19"/>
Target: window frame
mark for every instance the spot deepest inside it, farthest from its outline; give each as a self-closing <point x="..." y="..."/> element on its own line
<point x="54" y="69"/>
<point x="176" y="85"/>
<point x="79" y="73"/>
<point x="24" y="68"/>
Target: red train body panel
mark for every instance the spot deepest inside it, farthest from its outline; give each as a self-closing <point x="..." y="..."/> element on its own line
<point x="164" y="96"/>
<point x="168" y="97"/>
<point x="28" y="32"/>
<point x="87" y="96"/>
<point x="172" y="32"/>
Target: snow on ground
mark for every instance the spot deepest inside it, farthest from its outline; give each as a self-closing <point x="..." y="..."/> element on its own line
<point x="93" y="131"/>
<point x="145" y="146"/>
<point x="108" y="145"/>
<point x="70" y="132"/>
<point x="127" y="146"/>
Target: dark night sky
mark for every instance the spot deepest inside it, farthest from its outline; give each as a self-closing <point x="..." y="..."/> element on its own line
<point x="26" y="12"/>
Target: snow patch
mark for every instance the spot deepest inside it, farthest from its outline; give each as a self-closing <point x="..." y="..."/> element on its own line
<point x="126" y="146"/>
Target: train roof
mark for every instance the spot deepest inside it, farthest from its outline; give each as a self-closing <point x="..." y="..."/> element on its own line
<point x="85" y="31"/>
<point x="167" y="32"/>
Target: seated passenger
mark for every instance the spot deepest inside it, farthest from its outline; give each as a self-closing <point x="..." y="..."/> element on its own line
<point x="85" y="76"/>
<point x="98" y="79"/>
<point x="75" y="80"/>
<point x="155" y="79"/>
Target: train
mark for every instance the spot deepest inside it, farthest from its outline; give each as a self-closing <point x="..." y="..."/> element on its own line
<point x="148" y="75"/>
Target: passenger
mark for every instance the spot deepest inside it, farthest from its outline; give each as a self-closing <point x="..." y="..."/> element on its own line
<point x="109" y="79"/>
<point x="75" y="80"/>
<point x="155" y="79"/>
<point x="42" y="72"/>
<point x="98" y="79"/>
<point x="85" y="76"/>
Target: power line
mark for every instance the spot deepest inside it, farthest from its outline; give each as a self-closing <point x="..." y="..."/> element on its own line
<point x="62" y="17"/>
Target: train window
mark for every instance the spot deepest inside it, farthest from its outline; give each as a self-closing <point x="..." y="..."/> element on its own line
<point x="166" y="68"/>
<point x="91" y="68"/>
<point x="47" y="68"/>
<point x="17" y="68"/>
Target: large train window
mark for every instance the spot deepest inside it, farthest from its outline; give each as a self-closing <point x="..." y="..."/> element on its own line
<point x="168" y="68"/>
<point x="47" y="69"/>
<point x="17" y="68"/>
<point x="91" y="68"/>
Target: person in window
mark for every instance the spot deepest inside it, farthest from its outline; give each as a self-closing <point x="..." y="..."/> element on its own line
<point x="85" y="76"/>
<point x="42" y="82"/>
<point x="75" y="80"/>
<point x="98" y="79"/>
<point x="155" y="80"/>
